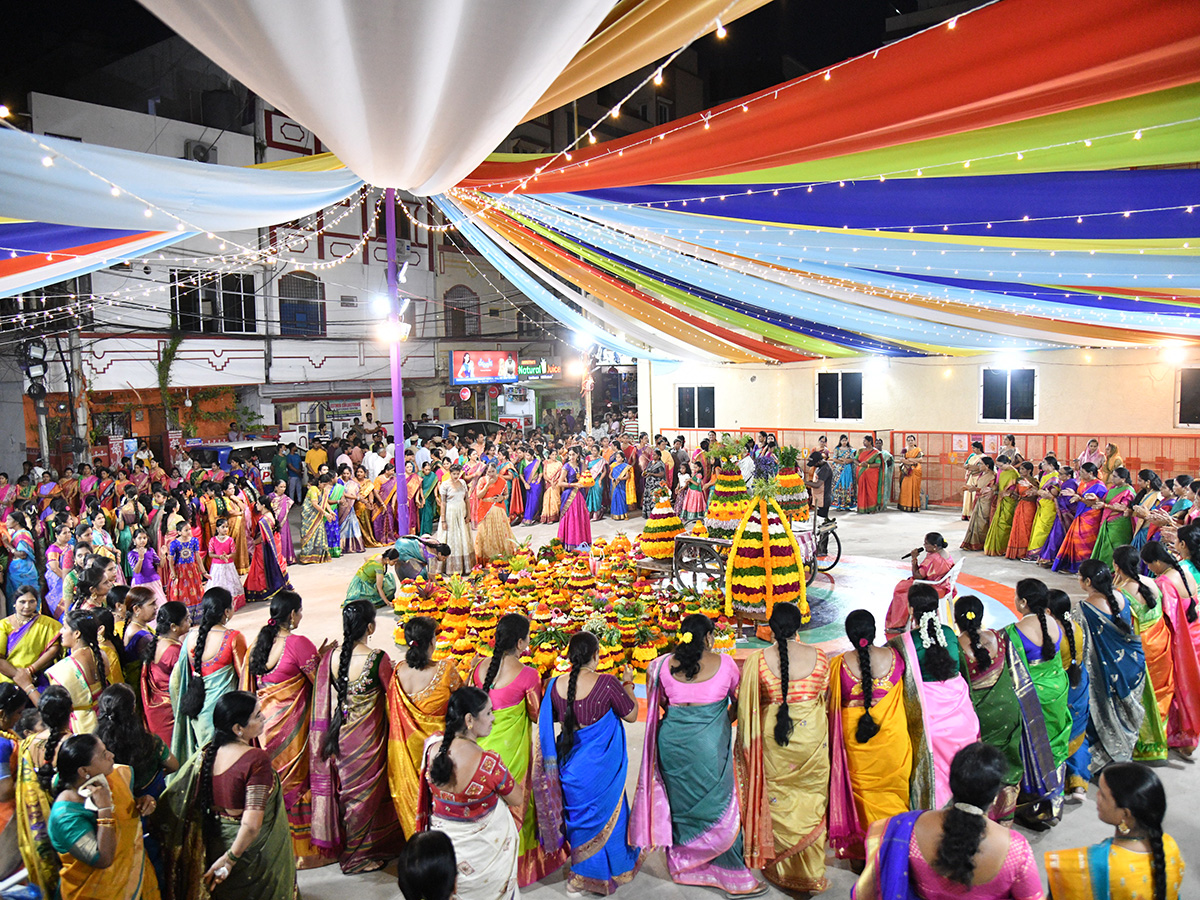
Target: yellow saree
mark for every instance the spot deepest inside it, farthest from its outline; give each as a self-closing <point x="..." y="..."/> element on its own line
<point x="1107" y="872"/>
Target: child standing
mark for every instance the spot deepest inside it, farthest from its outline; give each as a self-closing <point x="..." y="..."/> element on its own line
<point x="222" y="570"/>
<point x="143" y="563"/>
<point x="691" y="506"/>
<point x="187" y="571"/>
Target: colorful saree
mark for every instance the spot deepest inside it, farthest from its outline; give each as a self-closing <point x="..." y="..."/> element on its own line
<point x="868" y="782"/>
<point x="1045" y="747"/>
<point x="1107" y="872"/>
<point x="268" y="571"/>
<point x="869" y="466"/>
<point x="532" y="476"/>
<point x="1005" y="503"/>
<point x="352" y="811"/>
<point x="784" y="789"/>
<point x="33" y="817"/>
<point x="994" y="696"/>
<point x="582" y="799"/>
<point x="844" y="494"/>
<point x="1064" y="512"/>
<point x="554" y="476"/>
<point x="624" y="494"/>
<point x="595" y="494"/>
<point x="68" y="673"/>
<point x="910" y="482"/>
<point x="364" y="511"/>
<point x="686" y="798"/>
<point x="981" y="511"/>
<point x="155" y="688"/>
<point x="191" y="843"/>
<point x="429" y="507"/>
<point x="1116" y="668"/>
<point x="349" y="530"/>
<point x="1150" y="624"/>
<point x="1079" y="749"/>
<point x="21" y="572"/>
<point x="411" y="722"/>
<point x="314" y="544"/>
<point x="220" y="676"/>
<point x="1116" y="526"/>
<point x="885" y="876"/>
<point x="1084" y="531"/>
<point x="333" y="528"/>
<point x="1043" y="520"/>
<point x="1022" y="524"/>
<point x="22" y="646"/>
<point x="1183" y="722"/>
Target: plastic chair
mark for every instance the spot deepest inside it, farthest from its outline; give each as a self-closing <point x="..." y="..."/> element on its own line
<point x="949" y="581"/>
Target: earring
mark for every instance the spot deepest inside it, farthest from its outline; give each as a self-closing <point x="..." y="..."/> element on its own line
<point x="1123" y="828"/>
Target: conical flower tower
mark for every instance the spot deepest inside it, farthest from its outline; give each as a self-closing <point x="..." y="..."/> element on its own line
<point x="730" y="498"/>
<point x="793" y="494"/>
<point x="658" y="540"/>
<point x="765" y="566"/>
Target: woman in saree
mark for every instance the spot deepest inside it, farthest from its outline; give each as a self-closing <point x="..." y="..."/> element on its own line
<point x="417" y="697"/>
<point x="412" y="485"/>
<point x="515" y="692"/>
<point x="910" y="476"/>
<point x="1081" y="537"/>
<point x="470" y="796"/>
<point x="280" y="671"/>
<point x="686" y="797"/>
<point x="84" y="670"/>
<point x="211" y="661"/>
<point x="314" y="543"/>
<point x="845" y="493"/>
<point x="58" y="556"/>
<point x="29" y="642"/>
<point x="624" y="492"/>
<point x="554" y="477"/>
<point x="35" y="754"/>
<point x="654" y="482"/>
<point x="1180" y="610"/>
<point x="868" y="467"/>
<point x="1116" y="668"/>
<point x="1116" y="524"/>
<point x="988" y="664"/>
<point x="494" y="537"/>
<point x="332" y="497"/>
<point x="532" y="485"/>
<point x="1150" y="624"/>
<point x="1043" y="520"/>
<point x="47" y="489"/>
<point x="953" y="852"/>
<point x="100" y="843"/>
<point x="473" y="470"/>
<point x="428" y="499"/>
<point x="235" y="514"/>
<point x="373" y="580"/>
<point x="223" y="820"/>
<point x="349" y="530"/>
<point x="933" y="685"/>
<point x="1148" y="498"/>
<point x="1004" y="508"/>
<point x="580" y="783"/>
<point x="783" y="751"/>
<point x="22" y="556"/>
<point x="934" y="567"/>
<point x="983" y="489"/>
<point x="1024" y="514"/>
<point x="597" y="468"/>
<point x="510" y="472"/>
<point x="574" y="524"/>
<point x="268" y="570"/>
<point x="972" y="470"/>
<point x="352" y="811"/>
<point x="1064" y="513"/>
<point x="8" y="495"/>
<point x="1073" y="653"/>
<point x="159" y="659"/>
<point x="130" y="516"/>
<point x="1112" y="461"/>
<point x="1139" y="861"/>
<point x="280" y="506"/>
<point x="366" y="507"/>
<point x="1037" y="638"/>
<point x="383" y="523"/>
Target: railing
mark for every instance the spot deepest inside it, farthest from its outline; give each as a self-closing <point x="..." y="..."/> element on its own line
<point x="945" y="452"/>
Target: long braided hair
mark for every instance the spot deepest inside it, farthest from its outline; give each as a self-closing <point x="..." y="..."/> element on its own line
<point x="87" y="625"/>
<point x="938" y="663"/>
<point x="466" y="701"/>
<point x="120" y="726"/>
<point x="1155" y="552"/>
<point x="233" y="708"/>
<point x="1190" y="536"/>
<point x="1136" y="788"/>
<point x="1035" y="594"/>
<point x="55" y="711"/>
<point x="580" y="650"/>
<point x="968" y="616"/>
<point x="860" y="629"/>
<point x="1125" y="560"/>
<point x="419" y="635"/>
<point x="1059" y="605"/>
<point x="357" y="619"/>
<point x="1100" y="577"/>
<point x="785" y="621"/>
<point x="976" y="774"/>
<point x="213" y="605"/>
<point x="283" y="606"/>
<point x="510" y="631"/>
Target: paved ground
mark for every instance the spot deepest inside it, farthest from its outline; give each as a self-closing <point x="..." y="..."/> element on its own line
<point x="884" y="536"/>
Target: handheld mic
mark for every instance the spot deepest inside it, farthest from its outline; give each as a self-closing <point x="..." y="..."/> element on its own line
<point x="907" y="555"/>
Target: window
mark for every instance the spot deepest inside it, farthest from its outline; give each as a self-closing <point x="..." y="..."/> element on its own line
<point x="237" y="304"/>
<point x="530" y="321"/>
<point x="461" y="312"/>
<point x="1007" y="395"/>
<point x="839" y="396"/>
<point x="665" y="111"/>
<point x="697" y="407"/>
<point x="194" y="302"/>
<point x="301" y="305"/>
<point x="1189" y="397"/>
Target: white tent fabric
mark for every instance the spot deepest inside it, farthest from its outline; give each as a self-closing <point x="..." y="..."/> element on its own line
<point x="410" y="94"/>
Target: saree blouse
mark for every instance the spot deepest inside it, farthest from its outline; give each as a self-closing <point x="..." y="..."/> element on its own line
<point x="720" y="687"/>
<point x="490" y="782"/>
<point x="244" y="785"/>
<point x="810" y="687"/>
<point x="526" y="687"/>
<point x="232" y="652"/>
<point x="606" y="694"/>
<point x="1070" y="873"/>
<point x="852" y="689"/>
<point x="299" y="657"/>
<point x="1017" y="879"/>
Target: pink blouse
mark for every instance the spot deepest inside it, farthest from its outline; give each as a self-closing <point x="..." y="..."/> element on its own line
<point x="852" y="692"/>
<point x="719" y="687"/>
<point x="299" y="657"/>
<point x="525" y="686"/>
<point x="1018" y="876"/>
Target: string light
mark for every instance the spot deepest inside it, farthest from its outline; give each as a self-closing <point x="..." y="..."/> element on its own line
<point x="721" y="32"/>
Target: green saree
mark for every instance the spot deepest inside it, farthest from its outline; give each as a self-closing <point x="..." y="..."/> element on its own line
<point x="1051" y="683"/>
<point x="1116" y="528"/>
<point x="994" y="696"/>
<point x="996" y="542"/>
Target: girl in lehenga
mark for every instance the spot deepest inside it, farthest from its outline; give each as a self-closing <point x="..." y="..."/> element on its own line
<point x="454" y="529"/>
<point x="314" y="543"/>
<point x="1150" y="625"/>
<point x="783" y="744"/>
<point x="280" y="672"/>
<point x="580" y="783"/>
<point x="1043" y="520"/>
<point x="1116" y="525"/>
<point x="910" y="476"/>
<point x="515" y="692"/>
<point x="844" y="490"/>
<point x="211" y="660"/>
<point x="469" y="795"/>
<point x="871" y="751"/>
<point x="946" y="721"/>
<point x="987" y="659"/>
<point x="983" y="488"/>
<point x="1139" y="861"/>
<point x="494" y="536"/>
<point x="418" y="694"/>
<point x="1116" y="665"/>
<point x="686" y="798"/>
<point x="1085" y="527"/>
<point x="36" y="753"/>
<point x="352" y="812"/>
<point x="101" y="848"/>
<point x="268" y="570"/>
<point x="1037" y="638"/>
<point x="279" y="506"/>
<point x="1005" y="507"/>
<point x="1073" y="654"/>
<point x="223" y="817"/>
<point x="83" y="672"/>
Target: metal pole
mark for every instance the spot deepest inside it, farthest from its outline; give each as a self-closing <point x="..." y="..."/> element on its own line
<point x="39" y="407"/>
<point x="393" y="283"/>
<point x="79" y="412"/>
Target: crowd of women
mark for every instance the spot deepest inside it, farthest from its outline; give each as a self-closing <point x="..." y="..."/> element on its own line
<point x="864" y="479"/>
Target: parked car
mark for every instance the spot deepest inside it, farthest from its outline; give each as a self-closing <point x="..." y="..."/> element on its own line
<point x="457" y="427"/>
<point x="204" y="455"/>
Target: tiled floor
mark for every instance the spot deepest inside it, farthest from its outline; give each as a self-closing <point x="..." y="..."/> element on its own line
<point x="873" y="545"/>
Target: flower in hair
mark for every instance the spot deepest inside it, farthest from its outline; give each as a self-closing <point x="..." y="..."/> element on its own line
<point x="686" y="637"/>
<point x="971" y="616"/>
<point x="863" y="642"/>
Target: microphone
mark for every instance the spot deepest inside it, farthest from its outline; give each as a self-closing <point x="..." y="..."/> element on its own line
<point x="907" y="555"/>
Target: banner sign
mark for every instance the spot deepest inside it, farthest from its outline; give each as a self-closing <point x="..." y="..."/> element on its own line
<point x="482" y="367"/>
<point x="540" y="369"/>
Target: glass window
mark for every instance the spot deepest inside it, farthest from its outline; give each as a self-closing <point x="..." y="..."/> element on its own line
<point x="1189" y="396"/>
<point x="237" y="304"/>
<point x="301" y="305"/>
<point x="1008" y="395"/>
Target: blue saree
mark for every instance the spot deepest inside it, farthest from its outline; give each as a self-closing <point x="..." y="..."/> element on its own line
<point x="885" y="876"/>
<point x="1116" y="664"/>
<point x="1078" y="699"/>
<point x="583" y="796"/>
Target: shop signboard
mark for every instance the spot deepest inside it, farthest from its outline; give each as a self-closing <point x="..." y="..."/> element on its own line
<point x="539" y="369"/>
<point x="116" y="449"/>
<point x="482" y="367"/>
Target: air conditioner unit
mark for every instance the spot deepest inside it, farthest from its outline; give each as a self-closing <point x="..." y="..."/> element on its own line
<point x="197" y="151"/>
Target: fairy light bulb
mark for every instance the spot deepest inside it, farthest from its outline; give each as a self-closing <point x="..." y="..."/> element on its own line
<point x="721" y="32"/>
<point x="658" y="78"/>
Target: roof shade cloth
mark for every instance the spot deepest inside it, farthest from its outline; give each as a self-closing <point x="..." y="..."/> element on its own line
<point x="409" y="94"/>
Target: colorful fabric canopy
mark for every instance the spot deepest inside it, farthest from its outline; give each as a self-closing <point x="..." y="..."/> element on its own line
<point x="982" y="185"/>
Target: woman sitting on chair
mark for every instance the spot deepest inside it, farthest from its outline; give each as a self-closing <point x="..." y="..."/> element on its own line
<point x="934" y="567"/>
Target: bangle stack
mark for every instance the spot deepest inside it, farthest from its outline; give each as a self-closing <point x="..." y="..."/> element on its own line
<point x="233" y="859"/>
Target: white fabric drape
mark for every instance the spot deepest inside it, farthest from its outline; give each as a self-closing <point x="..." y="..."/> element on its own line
<point x="411" y="94"/>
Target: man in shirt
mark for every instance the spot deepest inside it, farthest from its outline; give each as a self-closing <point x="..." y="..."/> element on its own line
<point x="422" y="454"/>
<point x="375" y="461"/>
<point x="821" y="486"/>
<point x="314" y="459"/>
<point x="295" y="472"/>
<point x="279" y="466"/>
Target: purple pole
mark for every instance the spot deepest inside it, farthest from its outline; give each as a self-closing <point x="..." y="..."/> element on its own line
<point x="402" y="523"/>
